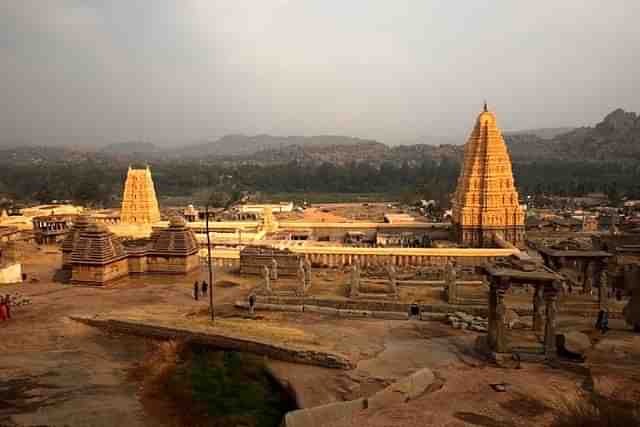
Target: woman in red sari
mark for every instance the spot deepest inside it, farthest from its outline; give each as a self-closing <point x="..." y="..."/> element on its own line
<point x="4" y="309"/>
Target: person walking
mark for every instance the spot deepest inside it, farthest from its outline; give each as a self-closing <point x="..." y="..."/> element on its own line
<point x="3" y="309"/>
<point x="195" y="290"/>
<point x="252" y="304"/>
<point x="205" y="288"/>
<point x="7" y="301"/>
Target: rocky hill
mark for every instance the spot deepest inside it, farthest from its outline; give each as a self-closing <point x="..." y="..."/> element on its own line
<point x="615" y="138"/>
<point x="543" y="133"/>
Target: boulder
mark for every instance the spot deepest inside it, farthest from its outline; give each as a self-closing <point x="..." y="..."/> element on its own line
<point x="511" y="318"/>
<point x="576" y="342"/>
<point x="403" y="390"/>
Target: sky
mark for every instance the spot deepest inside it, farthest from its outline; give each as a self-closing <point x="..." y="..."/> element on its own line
<point x="177" y="72"/>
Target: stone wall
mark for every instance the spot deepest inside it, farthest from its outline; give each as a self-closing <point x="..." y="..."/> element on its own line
<point x="172" y="264"/>
<point x="137" y="264"/>
<point x="99" y="274"/>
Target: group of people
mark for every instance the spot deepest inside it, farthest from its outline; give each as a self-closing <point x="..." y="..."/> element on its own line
<point x="5" y="308"/>
<point x="198" y="289"/>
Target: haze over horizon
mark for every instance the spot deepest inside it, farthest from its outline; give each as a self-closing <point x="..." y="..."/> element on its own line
<point x="92" y="72"/>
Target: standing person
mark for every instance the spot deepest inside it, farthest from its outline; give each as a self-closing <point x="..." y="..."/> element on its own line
<point x="252" y="303"/>
<point x="195" y="290"/>
<point x="205" y="287"/>
<point x="7" y="301"/>
<point x="3" y="309"/>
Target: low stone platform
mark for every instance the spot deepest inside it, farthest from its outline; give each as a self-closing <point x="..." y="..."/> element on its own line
<point x="280" y="351"/>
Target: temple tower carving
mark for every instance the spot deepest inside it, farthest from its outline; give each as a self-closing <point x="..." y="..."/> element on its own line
<point x="486" y="201"/>
<point x="139" y="203"/>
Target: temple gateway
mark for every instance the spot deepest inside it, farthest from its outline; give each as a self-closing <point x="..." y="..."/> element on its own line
<point x="486" y="201"/>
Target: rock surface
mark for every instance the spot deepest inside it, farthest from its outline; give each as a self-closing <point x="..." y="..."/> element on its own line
<point x="577" y="342"/>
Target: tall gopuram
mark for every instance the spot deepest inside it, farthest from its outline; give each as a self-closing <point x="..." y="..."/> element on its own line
<point x="486" y="200"/>
<point x="139" y="203"/>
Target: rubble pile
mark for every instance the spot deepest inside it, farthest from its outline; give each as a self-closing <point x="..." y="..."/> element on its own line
<point x="17" y="300"/>
<point x="461" y="320"/>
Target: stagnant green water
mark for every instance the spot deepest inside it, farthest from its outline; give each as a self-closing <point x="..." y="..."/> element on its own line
<point x="228" y="389"/>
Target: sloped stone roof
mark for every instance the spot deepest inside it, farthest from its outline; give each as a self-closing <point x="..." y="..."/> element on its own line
<point x="97" y="245"/>
<point x="176" y="240"/>
<point x="80" y="224"/>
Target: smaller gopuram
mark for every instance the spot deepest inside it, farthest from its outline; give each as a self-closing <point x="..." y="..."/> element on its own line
<point x="486" y="200"/>
<point x="98" y="257"/>
<point x="79" y="225"/>
<point x="174" y="250"/>
<point x="139" y="203"/>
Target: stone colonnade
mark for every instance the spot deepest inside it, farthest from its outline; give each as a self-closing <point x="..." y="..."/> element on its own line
<point x="544" y="314"/>
<point x="338" y="260"/>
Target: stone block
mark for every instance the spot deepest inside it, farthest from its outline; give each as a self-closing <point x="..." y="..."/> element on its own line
<point x="353" y="313"/>
<point x="390" y="315"/>
<point x="433" y="316"/>
<point x="321" y="309"/>
<point x="324" y="414"/>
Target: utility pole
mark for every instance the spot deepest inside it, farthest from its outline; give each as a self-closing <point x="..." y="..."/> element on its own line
<point x="211" y="286"/>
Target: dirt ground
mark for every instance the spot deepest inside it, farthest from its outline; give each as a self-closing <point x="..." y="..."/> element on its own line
<point x="55" y="371"/>
<point x="345" y="212"/>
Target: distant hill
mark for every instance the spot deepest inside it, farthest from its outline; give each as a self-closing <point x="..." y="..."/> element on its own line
<point x="130" y="148"/>
<point x="615" y="138"/>
<point x="39" y="155"/>
<point x="236" y="145"/>
<point x="543" y="133"/>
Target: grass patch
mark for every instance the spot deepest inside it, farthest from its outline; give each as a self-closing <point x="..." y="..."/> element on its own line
<point x="196" y="386"/>
<point x="593" y="410"/>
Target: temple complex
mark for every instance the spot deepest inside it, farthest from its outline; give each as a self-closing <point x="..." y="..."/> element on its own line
<point x="96" y="256"/>
<point x="139" y="203"/>
<point x="486" y="200"/>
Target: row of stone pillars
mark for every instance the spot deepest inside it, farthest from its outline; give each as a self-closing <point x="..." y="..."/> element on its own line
<point x="304" y="276"/>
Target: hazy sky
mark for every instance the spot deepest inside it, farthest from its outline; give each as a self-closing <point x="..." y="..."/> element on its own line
<point x="112" y="70"/>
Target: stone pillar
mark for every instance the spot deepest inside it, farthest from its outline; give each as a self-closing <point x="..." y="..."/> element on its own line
<point x="450" y="279"/>
<point x="393" y="287"/>
<point x="501" y="345"/>
<point x="538" y="309"/>
<point x="550" y="297"/>
<point x="603" y="290"/>
<point x="354" y="288"/>
<point x="274" y="269"/>
<point x="588" y="272"/>
<point x="307" y="275"/>
<point x="493" y="302"/>
<point x="267" y="280"/>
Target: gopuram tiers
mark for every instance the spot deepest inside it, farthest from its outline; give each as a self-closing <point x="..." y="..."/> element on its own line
<point x="486" y="201"/>
<point x="139" y="203"/>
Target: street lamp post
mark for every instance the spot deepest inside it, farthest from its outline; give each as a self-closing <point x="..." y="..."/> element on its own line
<point x="211" y="286"/>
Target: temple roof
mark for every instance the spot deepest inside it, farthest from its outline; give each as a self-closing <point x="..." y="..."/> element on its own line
<point x="80" y="224"/>
<point x="97" y="245"/>
<point x="177" y="239"/>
